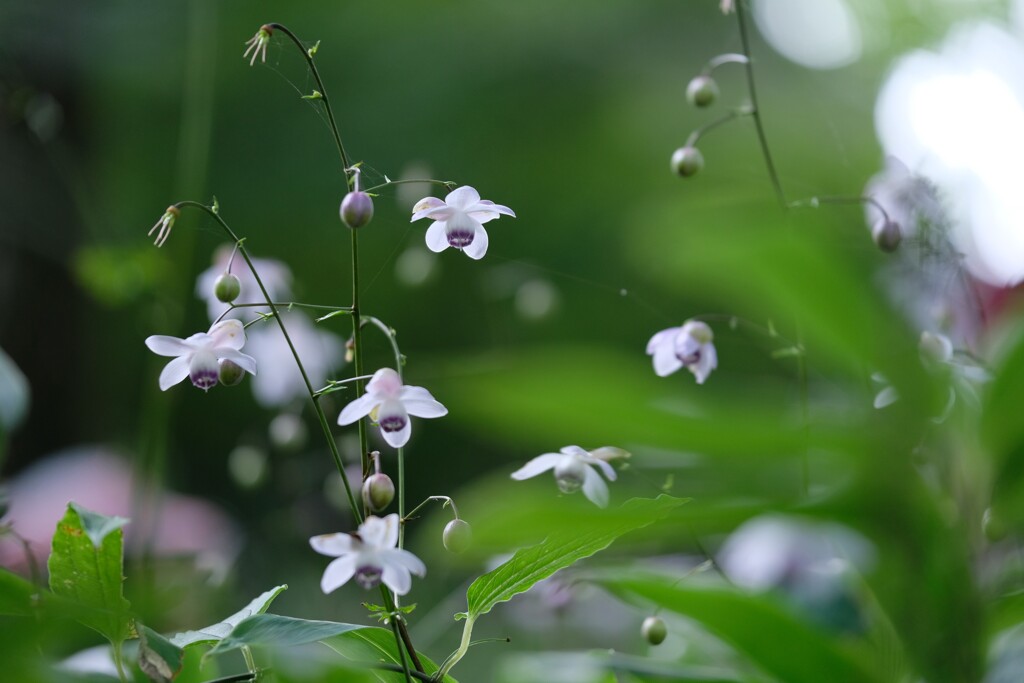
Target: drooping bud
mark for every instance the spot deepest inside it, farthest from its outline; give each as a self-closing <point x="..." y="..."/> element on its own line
<point x="356" y="209"/>
<point x="654" y="630"/>
<point x="569" y="474"/>
<point x="935" y="347"/>
<point x="687" y="161"/>
<point x="702" y="91"/>
<point x="457" y="536"/>
<point x="227" y="288"/>
<point x="229" y="374"/>
<point x="378" y="491"/>
<point x="886" y="234"/>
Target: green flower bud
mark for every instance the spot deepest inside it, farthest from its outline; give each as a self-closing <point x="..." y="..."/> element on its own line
<point x="687" y="161"/>
<point x="457" y="536"/>
<point x="378" y="491"/>
<point x="702" y="91"/>
<point x="356" y="209"/>
<point x="886" y="234"/>
<point x="230" y="373"/>
<point x="654" y="630"/>
<point x="227" y="288"/>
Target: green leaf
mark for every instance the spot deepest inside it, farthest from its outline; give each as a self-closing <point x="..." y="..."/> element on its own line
<point x="86" y="566"/>
<point x="278" y="631"/>
<point x="216" y="632"/>
<point x="369" y="645"/>
<point x="756" y="626"/>
<point x="530" y="565"/>
<point x="159" y="658"/>
<point x="16" y="595"/>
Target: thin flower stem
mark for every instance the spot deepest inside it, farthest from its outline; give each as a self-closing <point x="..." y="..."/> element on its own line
<point x="815" y="202"/>
<point x="250" y="663"/>
<point x="401" y="652"/>
<point x="298" y="361"/>
<point x="455" y="657"/>
<point x="448" y="184"/>
<point x="729" y="58"/>
<point x="707" y="128"/>
<point x="295" y="304"/>
<point x="448" y="501"/>
<point x="752" y="89"/>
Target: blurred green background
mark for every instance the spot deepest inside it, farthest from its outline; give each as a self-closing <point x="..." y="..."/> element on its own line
<point x="567" y="112"/>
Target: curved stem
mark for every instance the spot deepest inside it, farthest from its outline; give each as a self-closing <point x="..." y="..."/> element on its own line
<point x="449" y="184"/>
<point x="455" y="657"/>
<point x="751" y="87"/>
<point x="815" y="202"/>
<point x="448" y="501"/>
<point x="729" y="58"/>
<point x="707" y="128"/>
<point x="325" y="426"/>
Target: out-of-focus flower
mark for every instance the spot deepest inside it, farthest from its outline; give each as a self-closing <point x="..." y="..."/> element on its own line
<point x="390" y="403"/>
<point x="164" y="225"/>
<point x="370" y="555"/>
<point x="198" y="356"/>
<point x="257" y="45"/>
<point x="687" y="346"/>
<point x="727" y="6"/>
<point x="574" y="468"/>
<point x="276" y="276"/>
<point x="458" y="220"/>
<point x="280" y="381"/>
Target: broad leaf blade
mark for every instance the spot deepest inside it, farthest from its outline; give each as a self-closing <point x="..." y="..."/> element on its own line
<point x="216" y="632"/>
<point x="159" y="658"/>
<point x="86" y="566"/>
<point x="278" y="631"/>
<point x="369" y="645"/>
<point x="533" y="564"/>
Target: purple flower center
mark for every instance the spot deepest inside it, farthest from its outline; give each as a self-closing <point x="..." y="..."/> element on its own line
<point x="203" y="377"/>
<point x="369" y="576"/>
<point x="460" y="237"/>
<point x="691" y="359"/>
<point x="392" y="423"/>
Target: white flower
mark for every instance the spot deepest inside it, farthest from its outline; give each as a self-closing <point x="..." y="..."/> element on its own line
<point x="370" y="555"/>
<point x="687" y="346"/>
<point x="390" y="403"/>
<point x="199" y="356"/>
<point x="257" y="45"/>
<point x="280" y="381"/>
<point x="574" y="468"/>
<point x="458" y="220"/>
<point x="164" y="225"/>
<point x="276" y="276"/>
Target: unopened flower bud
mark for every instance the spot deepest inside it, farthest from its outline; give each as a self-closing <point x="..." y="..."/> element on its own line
<point x="569" y="474"/>
<point x="457" y="536"/>
<point x="356" y="209"/>
<point x="227" y="288"/>
<point x="702" y="91"/>
<point x="378" y="491"/>
<point x="654" y="630"/>
<point x="230" y="373"/>
<point x="687" y="161"/>
<point x="886" y="234"/>
<point x="935" y="347"/>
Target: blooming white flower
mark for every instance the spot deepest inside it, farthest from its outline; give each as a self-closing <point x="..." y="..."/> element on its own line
<point x="370" y="555"/>
<point x="390" y="403"/>
<point x="257" y="45"/>
<point x="686" y="346"/>
<point x="199" y="356"/>
<point x="164" y="225"/>
<point x="574" y="468"/>
<point x="458" y="220"/>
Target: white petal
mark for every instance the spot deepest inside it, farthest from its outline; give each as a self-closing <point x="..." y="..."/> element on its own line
<point x="397" y="578"/>
<point x="574" y="450"/>
<point x="174" y="372"/>
<point x="885" y="397"/>
<point x="478" y="247"/>
<point x="338" y="572"/>
<point x="665" y="361"/>
<point x="542" y="463"/>
<point x="334" y="545"/>
<point x="486" y="210"/>
<point x="247" y="363"/>
<point x="399" y="438"/>
<point x="608" y="470"/>
<point x="431" y="207"/>
<point x="380" y="532"/>
<point x="391" y="525"/>
<point x="385" y="383"/>
<point x="462" y="197"/>
<point x="230" y="333"/>
<point x="404" y="558"/>
<point x="437" y="237"/>
<point x="708" y="361"/>
<point x="420" y="403"/>
<point x="203" y="369"/>
<point x="661" y="338"/>
<point x="595" y="489"/>
<point x="357" y="409"/>
<point x="162" y="345"/>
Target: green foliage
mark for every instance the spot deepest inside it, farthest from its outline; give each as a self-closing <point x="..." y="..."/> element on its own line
<point x="214" y="633"/>
<point x="277" y="631"/>
<point x="372" y="644"/>
<point x="160" y="659"/>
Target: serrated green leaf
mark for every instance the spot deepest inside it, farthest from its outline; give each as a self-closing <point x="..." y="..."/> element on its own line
<point x="530" y="565"/>
<point x="159" y="658"/>
<point x="91" y="574"/>
<point x="278" y="631"/>
<point x="216" y="632"/>
<point x="756" y="626"/>
<point x="369" y="645"/>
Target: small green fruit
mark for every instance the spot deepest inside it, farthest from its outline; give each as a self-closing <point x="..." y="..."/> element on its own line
<point x="654" y="630"/>
<point x="702" y="91"/>
<point x="230" y="373"/>
<point x="458" y="536"/>
<point x="378" y="491"/>
<point x="227" y="288"/>
<point x="687" y="161"/>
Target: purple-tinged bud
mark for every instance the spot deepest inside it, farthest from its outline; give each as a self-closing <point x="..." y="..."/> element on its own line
<point x="229" y="374"/>
<point x="569" y="475"/>
<point x="378" y="491"/>
<point x="687" y="161"/>
<point x="702" y="91"/>
<point x="227" y="288"/>
<point x="886" y="234"/>
<point x="356" y="209"/>
<point x="654" y="630"/>
<point x="458" y="536"/>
